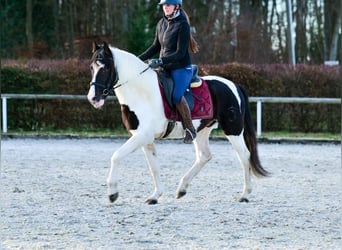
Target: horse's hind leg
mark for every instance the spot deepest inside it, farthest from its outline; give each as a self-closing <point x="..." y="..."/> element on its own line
<point x="243" y="154"/>
<point x="150" y="154"/>
<point x="203" y="155"/>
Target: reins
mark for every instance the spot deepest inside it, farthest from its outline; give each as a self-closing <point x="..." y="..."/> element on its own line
<point x="121" y="84"/>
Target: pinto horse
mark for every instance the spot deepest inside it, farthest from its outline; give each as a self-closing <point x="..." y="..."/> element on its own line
<point x="137" y="89"/>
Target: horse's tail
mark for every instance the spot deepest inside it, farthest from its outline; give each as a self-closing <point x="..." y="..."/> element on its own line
<point x="251" y="141"/>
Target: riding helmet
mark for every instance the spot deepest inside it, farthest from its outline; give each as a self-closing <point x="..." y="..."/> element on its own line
<point x="175" y="2"/>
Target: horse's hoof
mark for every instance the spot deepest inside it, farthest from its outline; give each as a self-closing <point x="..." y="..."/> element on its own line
<point x="180" y="194"/>
<point x="243" y="199"/>
<point x="151" y="201"/>
<point x="113" y="197"/>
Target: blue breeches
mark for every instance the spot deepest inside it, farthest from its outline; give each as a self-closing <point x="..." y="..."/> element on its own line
<point x="181" y="79"/>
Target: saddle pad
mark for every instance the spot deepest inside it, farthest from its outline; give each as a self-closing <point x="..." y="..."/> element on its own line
<point x="203" y="104"/>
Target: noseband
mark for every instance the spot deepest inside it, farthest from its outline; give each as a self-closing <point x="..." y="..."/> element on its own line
<point x="106" y="90"/>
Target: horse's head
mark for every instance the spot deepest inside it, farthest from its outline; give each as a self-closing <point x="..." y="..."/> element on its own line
<point x="104" y="75"/>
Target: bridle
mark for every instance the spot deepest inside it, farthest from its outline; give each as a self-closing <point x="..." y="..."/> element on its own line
<point x="112" y="80"/>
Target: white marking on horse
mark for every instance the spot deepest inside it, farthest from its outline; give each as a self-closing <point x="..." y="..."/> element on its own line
<point x="95" y="66"/>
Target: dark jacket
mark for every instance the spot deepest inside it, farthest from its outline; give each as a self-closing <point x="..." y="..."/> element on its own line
<point x="171" y="42"/>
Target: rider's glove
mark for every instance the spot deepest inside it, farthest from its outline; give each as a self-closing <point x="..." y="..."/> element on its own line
<point x="155" y="63"/>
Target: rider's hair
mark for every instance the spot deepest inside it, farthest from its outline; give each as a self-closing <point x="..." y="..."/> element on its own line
<point x="193" y="46"/>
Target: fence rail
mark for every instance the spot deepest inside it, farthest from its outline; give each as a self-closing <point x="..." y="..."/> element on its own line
<point x="258" y="100"/>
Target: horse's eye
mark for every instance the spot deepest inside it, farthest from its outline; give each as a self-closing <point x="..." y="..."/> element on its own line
<point x="91" y="68"/>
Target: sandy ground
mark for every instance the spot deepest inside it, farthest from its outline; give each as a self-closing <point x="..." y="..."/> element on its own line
<point x="53" y="196"/>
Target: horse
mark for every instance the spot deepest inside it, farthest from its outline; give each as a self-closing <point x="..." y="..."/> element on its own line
<point x="136" y="87"/>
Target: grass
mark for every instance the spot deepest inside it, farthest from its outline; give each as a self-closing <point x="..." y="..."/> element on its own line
<point x="71" y="132"/>
<point x="285" y="134"/>
<point x="291" y="135"/>
<point x="123" y="133"/>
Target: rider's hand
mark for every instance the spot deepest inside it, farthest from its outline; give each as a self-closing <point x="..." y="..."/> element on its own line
<point x="155" y="63"/>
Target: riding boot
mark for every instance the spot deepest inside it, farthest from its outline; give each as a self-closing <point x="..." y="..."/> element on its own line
<point x="184" y="111"/>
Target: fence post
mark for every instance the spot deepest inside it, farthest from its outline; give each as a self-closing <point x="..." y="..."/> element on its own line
<point x="259" y="117"/>
<point x="4" y="114"/>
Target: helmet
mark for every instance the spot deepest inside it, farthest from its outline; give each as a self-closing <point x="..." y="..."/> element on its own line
<point x="175" y="2"/>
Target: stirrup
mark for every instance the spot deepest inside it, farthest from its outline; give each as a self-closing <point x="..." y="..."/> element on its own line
<point x="190" y="135"/>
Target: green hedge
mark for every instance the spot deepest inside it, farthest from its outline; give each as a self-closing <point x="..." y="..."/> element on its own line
<point x="73" y="76"/>
<point x="289" y="81"/>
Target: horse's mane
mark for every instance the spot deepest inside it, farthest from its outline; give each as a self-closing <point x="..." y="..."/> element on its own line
<point x="120" y="51"/>
<point x="125" y="57"/>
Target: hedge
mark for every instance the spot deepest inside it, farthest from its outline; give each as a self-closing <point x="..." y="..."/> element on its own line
<point x="73" y="76"/>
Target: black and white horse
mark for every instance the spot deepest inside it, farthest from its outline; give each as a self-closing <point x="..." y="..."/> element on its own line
<point x="137" y="89"/>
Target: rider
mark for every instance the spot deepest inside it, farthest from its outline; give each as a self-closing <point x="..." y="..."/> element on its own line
<point x="172" y="41"/>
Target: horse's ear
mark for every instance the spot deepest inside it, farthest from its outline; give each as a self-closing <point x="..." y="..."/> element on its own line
<point x="106" y="47"/>
<point x="95" y="46"/>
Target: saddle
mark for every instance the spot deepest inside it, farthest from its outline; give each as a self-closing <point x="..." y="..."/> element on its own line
<point x="197" y="96"/>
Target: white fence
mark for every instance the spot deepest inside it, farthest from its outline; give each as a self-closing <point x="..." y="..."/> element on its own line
<point x="258" y="100"/>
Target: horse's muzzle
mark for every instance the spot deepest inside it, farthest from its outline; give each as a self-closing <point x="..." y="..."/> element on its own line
<point x="96" y="101"/>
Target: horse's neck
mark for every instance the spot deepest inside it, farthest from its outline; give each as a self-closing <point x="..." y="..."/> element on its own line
<point x="138" y="83"/>
<point x="127" y="64"/>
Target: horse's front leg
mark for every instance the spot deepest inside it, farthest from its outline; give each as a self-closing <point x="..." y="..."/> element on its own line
<point x="151" y="157"/>
<point x="130" y="145"/>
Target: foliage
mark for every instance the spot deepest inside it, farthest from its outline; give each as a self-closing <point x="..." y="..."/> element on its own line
<point x="227" y="31"/>
<point x="12" y="35"/>
<point x="138" y="36"/>
<point x="281" y="79"/>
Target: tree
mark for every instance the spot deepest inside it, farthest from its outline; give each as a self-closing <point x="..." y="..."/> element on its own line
<point x="29" y="34"/>
<point x="139" y="35"/>
<point x="301" y="34"/>
<point x="332" y="23"/>
<point x="252" y="31"/>
<point x="12" y="35"/>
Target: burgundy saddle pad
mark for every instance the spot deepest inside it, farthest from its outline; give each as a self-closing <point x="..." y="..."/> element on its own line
<point x="203" y="104"/>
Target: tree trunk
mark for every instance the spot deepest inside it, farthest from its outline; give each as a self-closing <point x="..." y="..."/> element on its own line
<point x="301" y="28"/>
<point x="71" y="36"/>
<point x="58" y="35"/>
<point x="332" y="24"/>
<point x="29" y="35"/>
<point x="290" y="42"/>
<point x="334" y="39"/>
